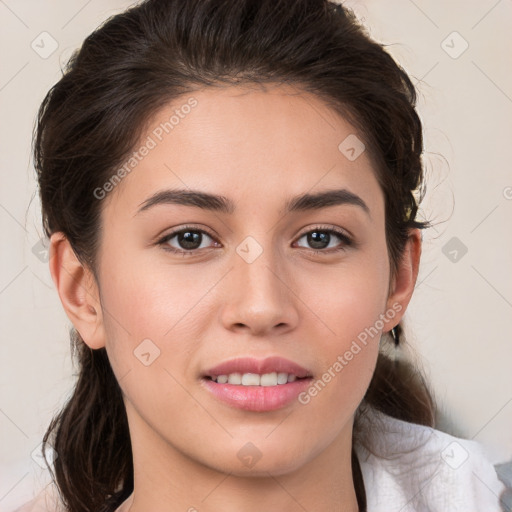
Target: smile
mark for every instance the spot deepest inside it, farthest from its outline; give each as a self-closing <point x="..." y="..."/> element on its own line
<point x="254" y="379"/>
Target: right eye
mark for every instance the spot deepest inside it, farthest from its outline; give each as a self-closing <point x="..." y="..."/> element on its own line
<point x="188" y="240"/>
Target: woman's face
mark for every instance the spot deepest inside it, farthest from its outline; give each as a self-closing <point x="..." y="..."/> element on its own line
<point x="258" y="272"/>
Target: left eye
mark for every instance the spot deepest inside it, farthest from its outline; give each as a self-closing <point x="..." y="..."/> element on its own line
<point x="322" y="238"/>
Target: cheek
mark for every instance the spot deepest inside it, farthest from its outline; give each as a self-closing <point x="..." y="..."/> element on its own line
<point x="151" y="322"/>
<point x="347" y="349"/>
<point x="349" y="344"/>
<point x="349" y="304"/>
<point x="148" y="299"/>
<point x="346" y="298"/>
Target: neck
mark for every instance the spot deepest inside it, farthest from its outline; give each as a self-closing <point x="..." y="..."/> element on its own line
<point x="166" y="479"/>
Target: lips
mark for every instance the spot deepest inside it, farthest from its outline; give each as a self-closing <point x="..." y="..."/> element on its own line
<point x="257" y="385"/>
<point x="258" y="366"/>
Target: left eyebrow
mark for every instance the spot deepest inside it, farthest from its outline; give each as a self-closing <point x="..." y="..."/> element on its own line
<point x="218" y="203"/>
<point x="321" y="200"/>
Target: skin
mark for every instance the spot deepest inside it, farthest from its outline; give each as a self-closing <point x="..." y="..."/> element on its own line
<point x="258" y="148"/>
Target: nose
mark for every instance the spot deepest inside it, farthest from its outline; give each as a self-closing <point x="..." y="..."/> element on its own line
<point x="260" y="297"/>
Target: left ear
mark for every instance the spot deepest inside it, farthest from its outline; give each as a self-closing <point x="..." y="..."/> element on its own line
<point x="403" y="283"/>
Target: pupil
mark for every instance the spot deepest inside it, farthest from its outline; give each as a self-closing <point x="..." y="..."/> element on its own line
<point x="319" y="239"/>
<point x="188" y="239"/>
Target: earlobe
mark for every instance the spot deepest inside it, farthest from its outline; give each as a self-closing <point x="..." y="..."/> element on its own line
<point x="403" y="284"/>
<point x="78" y="291"/>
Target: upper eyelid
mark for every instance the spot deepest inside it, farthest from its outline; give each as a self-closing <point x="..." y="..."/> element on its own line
<point x="336" y="230"/>
<point x="175" y="232"/>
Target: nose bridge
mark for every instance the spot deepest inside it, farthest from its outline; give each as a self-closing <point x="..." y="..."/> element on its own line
<point x="257" y="268"/>
<point x="260" y="298"/>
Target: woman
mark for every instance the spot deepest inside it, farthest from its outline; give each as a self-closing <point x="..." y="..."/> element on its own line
<point x="230" y="189"/>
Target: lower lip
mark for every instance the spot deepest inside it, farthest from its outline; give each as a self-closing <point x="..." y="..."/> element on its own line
<point x="257" y="398"/>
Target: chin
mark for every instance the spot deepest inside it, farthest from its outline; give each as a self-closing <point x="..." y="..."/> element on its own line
<point x="262" y="458"/>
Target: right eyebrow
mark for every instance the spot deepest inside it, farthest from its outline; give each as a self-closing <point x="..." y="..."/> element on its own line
<point x="195" y="198"/>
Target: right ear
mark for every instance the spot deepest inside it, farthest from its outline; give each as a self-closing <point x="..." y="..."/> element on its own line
<point x="78" y="291"/>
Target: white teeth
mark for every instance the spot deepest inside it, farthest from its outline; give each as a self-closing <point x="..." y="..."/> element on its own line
<point x="235" y="378"/>
<point x="250" y="379"/>
<point x="254" y="379"/>
<point x="282" y="378"/>
<point x="268" y="379"/>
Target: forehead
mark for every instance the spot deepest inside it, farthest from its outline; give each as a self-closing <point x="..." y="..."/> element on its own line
<point x="266" y="142"/>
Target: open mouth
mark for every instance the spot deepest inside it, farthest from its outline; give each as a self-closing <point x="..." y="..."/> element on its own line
<point x="257" y="385"/>
<point x="255" y="379"/>
<point x="257" y="392"/>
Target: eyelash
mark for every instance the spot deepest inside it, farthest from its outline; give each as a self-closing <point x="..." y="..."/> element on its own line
<point x="346" y="240"/>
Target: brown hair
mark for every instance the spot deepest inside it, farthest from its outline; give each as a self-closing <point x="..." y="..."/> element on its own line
<point x="139" y="61"/>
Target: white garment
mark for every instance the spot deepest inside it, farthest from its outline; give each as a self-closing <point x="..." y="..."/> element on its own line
<point x="421" y="469"/>
<point x="413" y="469"/>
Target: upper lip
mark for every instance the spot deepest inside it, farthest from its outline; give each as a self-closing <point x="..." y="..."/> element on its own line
<point x="260" y="366"/>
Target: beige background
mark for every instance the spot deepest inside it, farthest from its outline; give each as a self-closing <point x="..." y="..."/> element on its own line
<point x="460" y="318"/>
